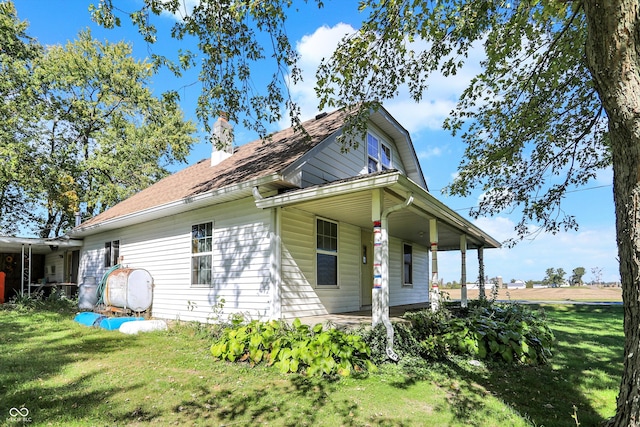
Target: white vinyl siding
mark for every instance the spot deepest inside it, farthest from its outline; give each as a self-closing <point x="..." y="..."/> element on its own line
<point x="331" y="163"/>
<point x="399" y="294"/>
<point x="301" y="296"/>
<point x="241" y="249"/>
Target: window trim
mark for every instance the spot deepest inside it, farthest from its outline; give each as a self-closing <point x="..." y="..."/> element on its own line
<point x="193" y="255"/>
<point x="405" y="283"/>
<point x="335" y="253"/>
<point x="111" y="253"/>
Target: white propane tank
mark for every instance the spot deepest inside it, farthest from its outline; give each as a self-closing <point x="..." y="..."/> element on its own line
<point x="130" y="288"/>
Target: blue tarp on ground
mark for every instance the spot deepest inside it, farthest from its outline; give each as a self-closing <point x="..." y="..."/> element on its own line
<point x="109" y="323"/>
<point x="88" y="318"/>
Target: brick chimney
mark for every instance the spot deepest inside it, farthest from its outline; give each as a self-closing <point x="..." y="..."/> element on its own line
<point x="221" y="140"/>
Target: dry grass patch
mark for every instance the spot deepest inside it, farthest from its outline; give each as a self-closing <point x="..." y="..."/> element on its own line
<point x="570" y="294"/>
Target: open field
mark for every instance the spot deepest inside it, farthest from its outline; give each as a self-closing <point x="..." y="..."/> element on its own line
<point x="574" y="293"/>
<point x="67" y="374"/>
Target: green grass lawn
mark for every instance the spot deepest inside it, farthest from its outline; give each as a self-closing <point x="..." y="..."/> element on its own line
<point x="68" y="374"/>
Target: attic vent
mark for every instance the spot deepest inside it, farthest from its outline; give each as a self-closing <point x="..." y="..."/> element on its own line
<point x="321" y="115"/>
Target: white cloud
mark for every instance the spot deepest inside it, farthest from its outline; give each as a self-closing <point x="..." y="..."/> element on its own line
<point x="429" y="153"/>
<point x="186" y="7"/>
<point x="438" y="101"/>
<point x="313" y="48"/>
<point x="500" y="228"/>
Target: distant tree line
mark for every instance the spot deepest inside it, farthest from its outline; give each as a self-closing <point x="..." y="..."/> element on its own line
<point x="554" y="277"/>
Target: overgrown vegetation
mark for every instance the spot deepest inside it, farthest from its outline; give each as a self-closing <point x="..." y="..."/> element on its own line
<point x="509" y="333"/>
<point x="54" y="301"/>
<point x="297" y="348"/>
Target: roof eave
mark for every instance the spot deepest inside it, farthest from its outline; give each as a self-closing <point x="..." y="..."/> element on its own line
<point x="445" y="212"/>
<point x="411" y="161"/>
<point x="395" y="181"/>
<point x="330" y="189"/>
<point x="227" y="193"/>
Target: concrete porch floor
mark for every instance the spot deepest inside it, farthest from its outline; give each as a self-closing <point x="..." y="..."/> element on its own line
<point x="362" y="318"/>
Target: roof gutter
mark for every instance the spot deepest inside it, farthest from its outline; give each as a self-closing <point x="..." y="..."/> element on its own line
<point x="331" y="189"/>
<point x="182" y="205"/>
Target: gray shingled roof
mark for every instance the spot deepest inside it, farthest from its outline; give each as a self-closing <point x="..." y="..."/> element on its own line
<point x="256" y="159"/>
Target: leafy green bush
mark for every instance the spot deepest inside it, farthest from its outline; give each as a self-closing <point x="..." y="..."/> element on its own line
<point x="508" y="332"/>
<point x="296" y="348"/>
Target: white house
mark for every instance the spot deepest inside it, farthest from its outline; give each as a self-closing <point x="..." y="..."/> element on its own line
<point x="288" y="227"/>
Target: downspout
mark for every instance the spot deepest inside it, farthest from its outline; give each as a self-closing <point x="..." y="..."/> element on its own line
<point x="256" y="193"/>
<point x="384" y="223"/>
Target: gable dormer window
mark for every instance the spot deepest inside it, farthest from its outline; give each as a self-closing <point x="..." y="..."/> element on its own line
<point x="378" y="154"/>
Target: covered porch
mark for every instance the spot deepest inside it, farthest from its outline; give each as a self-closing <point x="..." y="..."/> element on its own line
<point x="389" y="205"/>
<point x="360" y="318"/>
<point x="33" y="264"/>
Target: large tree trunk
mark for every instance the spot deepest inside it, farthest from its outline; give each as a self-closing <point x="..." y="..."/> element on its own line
<point x="613" y="55"/>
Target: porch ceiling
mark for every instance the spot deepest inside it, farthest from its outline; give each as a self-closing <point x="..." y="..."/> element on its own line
<point x="410" y="224"/>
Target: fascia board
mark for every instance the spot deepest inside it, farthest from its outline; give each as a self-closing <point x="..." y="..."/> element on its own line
<point x="60" y="242"/>
<point x="328" y="190"/>
<point x="239" y="190"/>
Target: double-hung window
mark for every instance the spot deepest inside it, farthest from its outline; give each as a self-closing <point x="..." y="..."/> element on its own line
<point x="111" y="253"/>
<point x="201" y="253"/>
<point x="378" y="154"/>
<point x="326" y="253"/>
<point x="407" y="261"/>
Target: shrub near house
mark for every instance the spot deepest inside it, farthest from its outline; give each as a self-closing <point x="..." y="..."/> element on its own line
<point x="510" y="333"/>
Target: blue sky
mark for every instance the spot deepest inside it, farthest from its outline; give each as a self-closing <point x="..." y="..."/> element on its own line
<point x="315" y="33"/>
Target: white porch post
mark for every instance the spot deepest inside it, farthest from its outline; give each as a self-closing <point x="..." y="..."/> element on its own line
<point x="376" y="293"/>
<point x="276" y="264"/>
<point x="434" y="296"/>
<point x="29" y="272"/>
<point x="463" y="267"/>
<point x="22" y="272"/>
<point x="481" y="293"/>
